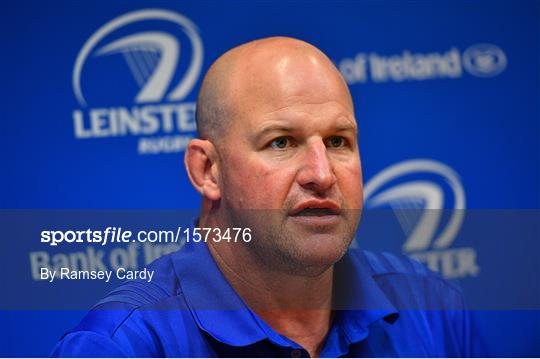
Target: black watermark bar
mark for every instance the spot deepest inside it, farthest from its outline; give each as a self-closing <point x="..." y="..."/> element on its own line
<point x="71" y="259"/>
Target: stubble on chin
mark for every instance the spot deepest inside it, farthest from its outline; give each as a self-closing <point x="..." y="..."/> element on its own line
<point x="285" y="247"/>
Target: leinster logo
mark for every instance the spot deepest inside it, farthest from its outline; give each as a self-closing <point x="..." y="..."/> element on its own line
<point x="131" y="77"/>
<point x="428" y="201"/>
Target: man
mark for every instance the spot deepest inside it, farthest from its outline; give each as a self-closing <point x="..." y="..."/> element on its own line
<point x="278" y="155"/>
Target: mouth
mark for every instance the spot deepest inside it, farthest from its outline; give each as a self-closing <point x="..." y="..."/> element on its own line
<point x="315" y="212"/>
<point x="316" y="208"/>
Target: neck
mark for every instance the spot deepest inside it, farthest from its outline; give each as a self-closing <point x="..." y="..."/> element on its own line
<point x="296" y="306"/>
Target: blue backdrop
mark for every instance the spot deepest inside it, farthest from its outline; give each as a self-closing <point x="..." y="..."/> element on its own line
<point x="98" y="104"/>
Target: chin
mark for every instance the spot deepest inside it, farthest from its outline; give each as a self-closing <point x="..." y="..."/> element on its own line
<point x="319" y="251"/>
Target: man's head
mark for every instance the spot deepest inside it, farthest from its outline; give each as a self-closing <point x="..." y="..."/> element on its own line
<point x="279" y="152"/>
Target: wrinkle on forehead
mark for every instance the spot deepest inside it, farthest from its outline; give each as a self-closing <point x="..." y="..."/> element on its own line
<point x="304" y="106"/>
<point x="320" y="114"/>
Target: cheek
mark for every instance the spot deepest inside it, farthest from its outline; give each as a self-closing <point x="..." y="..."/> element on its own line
<point x="350" y="185"/>
<point x="252" y="183"/>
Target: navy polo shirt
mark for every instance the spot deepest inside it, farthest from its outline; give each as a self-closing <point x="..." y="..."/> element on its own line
<point x="386" y="305"/>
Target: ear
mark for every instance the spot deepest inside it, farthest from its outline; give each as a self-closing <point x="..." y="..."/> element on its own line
<point x="202" y="168"/>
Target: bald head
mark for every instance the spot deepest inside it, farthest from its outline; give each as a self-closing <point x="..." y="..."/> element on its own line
<point x="255" y="69"/>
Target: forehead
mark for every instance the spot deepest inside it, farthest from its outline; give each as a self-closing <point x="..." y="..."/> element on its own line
<point x="305" y="117"/>
<point x="303" y="89"/>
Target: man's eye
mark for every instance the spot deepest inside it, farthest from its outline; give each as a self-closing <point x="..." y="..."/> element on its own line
<point x="280" y="143"/>
<point x="336" y="141"/>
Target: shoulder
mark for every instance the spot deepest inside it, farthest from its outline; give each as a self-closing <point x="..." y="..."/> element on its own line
<point x="407" y="282"/>
<point x="127" y="319"/>
<point x="431" y="309"/>
<point x="136" y="294"/>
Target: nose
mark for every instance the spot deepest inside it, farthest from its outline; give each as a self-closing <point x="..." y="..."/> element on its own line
<point x="316" y="172"/>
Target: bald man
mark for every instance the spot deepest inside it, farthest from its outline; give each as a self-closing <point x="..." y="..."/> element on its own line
<point x="277" y="156"/>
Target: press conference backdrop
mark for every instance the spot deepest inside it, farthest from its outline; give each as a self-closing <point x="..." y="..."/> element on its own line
<point x="98" y="101"/>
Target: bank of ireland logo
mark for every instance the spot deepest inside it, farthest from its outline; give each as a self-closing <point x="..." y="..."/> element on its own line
<point x="480" y="60"/>
<point x="429" y="203"/>
<point x="152" y="56"/>
<point x="484" y="60"/>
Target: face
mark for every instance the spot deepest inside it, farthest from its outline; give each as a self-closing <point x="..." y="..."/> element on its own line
<point x="290" y="166"/>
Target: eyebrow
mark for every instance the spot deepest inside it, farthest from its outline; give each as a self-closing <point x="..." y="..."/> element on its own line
<point x="347" y="127"/>
<point x="272" y="128"/>
<point x="289" y="129"/>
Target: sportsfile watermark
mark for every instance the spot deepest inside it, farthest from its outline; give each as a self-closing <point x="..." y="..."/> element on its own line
<point x="69" y="259"/>
<point x="111" y="235"/>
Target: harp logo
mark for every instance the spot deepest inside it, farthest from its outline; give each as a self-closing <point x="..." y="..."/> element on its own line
<point x="140" y="67"/>
<point x="428" y="201"/>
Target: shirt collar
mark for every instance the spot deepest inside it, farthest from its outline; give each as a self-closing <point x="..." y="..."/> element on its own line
<point x="358" y="298"/>
<point x="220" y="312"/>
<point x="216" y="307"/>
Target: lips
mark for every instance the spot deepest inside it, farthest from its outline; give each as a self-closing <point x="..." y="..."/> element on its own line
<point x="315" y="212"/>
<point x="316" y="208"/>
